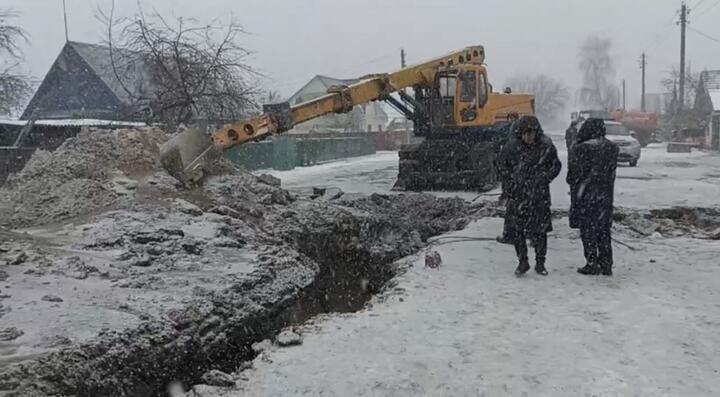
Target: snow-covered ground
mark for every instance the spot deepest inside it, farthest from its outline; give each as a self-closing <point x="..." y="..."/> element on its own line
<point x="660" y="180"/>
<point x="472" y="328"/>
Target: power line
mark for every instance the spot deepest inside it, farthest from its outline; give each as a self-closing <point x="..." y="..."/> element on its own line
<point x="698" y="4"/>
<point x="707" y="36"/>
<point x="707" y="11"/>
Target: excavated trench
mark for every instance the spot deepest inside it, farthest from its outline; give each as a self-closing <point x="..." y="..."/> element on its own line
<point x="320" y="258"/>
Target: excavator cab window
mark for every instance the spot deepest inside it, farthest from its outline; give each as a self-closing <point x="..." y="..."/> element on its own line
<point x="482" y="90"/>
<point x="468" y="86"/>
<point x="448" y="85"/>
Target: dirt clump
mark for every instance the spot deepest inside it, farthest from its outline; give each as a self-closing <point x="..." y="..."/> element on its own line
<point x="701" y="223"/>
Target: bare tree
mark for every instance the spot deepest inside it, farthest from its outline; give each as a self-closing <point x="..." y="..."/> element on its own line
<point x="671" y="84"/>
<point x="14" y="86"/>
<point x="551" y="95"/>
<point x="270" y="96"/>
<point x="598" y="69"/>
<point x="181" y="71"/>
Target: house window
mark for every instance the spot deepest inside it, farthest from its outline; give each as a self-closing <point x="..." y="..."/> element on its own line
<point x="369" y="128"/>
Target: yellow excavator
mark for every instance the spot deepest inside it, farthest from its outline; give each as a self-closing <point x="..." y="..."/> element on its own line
<point x="458" y="121"/>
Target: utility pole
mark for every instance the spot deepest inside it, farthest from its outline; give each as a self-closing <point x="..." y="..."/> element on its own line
<point x="643" y="63"/>
<point x="67" y="36"/>
<point x="684" y="11"/>
<point x="402" y="58"/>
<point x="624" y="93"/>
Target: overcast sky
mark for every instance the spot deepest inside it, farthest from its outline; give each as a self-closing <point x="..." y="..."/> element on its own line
<point x="294" y="40"/>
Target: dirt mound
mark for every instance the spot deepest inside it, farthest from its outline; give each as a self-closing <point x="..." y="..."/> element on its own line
<point x="703" y="223"/>
<point x="85" y="174"/>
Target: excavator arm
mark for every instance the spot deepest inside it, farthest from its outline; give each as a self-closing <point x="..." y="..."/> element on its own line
<point x="282" y="117"/>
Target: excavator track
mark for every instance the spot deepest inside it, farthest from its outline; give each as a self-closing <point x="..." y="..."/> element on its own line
<point x="447" y="165"/>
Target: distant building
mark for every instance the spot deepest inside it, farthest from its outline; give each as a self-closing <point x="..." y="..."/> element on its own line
<point x="707" y="103"/>
<point x="370" y="117"/>
<point x="82" y="84"/>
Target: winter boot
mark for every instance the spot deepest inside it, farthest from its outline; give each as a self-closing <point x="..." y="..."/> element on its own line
<point x="522" y="268"/>
<point x="540" y="267"/>
<point x="589" y="270"/>
<point x="606" y="270"/>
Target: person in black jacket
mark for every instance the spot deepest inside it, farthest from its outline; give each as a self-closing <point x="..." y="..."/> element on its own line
<point x="528" y="164"/>
<point x="571" y="134"/>
<point x="591" y="176"/>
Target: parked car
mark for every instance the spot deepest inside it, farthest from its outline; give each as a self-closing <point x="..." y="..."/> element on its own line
<point x="630" y="147"/>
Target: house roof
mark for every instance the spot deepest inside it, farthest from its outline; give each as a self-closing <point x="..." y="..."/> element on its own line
<point x="711" y="81"/>
<point x="325" y="81"/>
<point x="131" y="67"/>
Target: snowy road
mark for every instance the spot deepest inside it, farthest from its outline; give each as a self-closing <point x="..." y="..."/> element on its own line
<point x="661" y="179"/>
<point x="472" y="328"/>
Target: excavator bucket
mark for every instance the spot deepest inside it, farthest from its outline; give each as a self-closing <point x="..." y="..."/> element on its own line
<point x="186" y="155"/>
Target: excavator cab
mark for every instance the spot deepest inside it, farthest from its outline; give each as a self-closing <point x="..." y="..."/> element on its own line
<point x="462" y="93"/>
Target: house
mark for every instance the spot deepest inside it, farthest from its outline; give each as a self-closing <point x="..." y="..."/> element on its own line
<point x="707" y="103"/>
<point x="370" y="117"/>
<point x="83" y="83"/>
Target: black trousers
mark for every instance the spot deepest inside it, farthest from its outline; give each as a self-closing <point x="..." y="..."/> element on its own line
<point x="539" y="242"/>
<point x="597" y="244"/>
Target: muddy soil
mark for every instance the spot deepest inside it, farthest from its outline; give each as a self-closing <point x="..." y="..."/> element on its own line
<point x="115" y="281"/>
<point x="700" y="223"/>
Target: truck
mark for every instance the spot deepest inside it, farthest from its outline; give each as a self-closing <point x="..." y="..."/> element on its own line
<point x="457" y="121"/>
<point x="642" y="124"/>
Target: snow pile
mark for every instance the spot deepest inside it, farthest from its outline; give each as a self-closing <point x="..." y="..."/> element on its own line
<point x="87" y="173"/>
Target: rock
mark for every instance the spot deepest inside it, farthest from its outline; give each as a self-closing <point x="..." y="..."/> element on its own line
<point x="259" y="347"/>
<point x="226" y="211"/>
<point x="3" y="275"/>
<point x="288" y="338"/>
<point x="317" y="192"/>
<point x="206" y="391"/>
<point x="143" y="261"/>
<point x="9" y="334"/>
<point x="187" y="207"/>
<point x="270" y="180"/>
<point x="16" y="258"/>
<point x="156" y="249"/>
<point x="433" y="260"/>
<point x="192" y="247"/>
<point x="218" y="379"/>
<point x="51" y="298"/>
<point x="125" y="256"/>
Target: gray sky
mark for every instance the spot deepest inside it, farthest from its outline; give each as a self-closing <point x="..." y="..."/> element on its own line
<point x="295" y="39"/>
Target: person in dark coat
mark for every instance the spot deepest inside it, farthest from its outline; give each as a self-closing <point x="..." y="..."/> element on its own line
<point x="508" y="135"/>
<point x="571" y="134"/>
<point x="528" y="164"/>
<point x="512" y="119"/>
<point x="591" y="175"/>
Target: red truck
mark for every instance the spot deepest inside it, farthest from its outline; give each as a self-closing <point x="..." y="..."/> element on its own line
<point x="642" y="124"/>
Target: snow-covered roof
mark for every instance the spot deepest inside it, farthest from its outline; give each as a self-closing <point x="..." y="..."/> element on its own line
<point x="325" y="82"/>
<point x="132" y="68"/>
<point x="715" y="99"/>
<point x="711" y="79"/>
